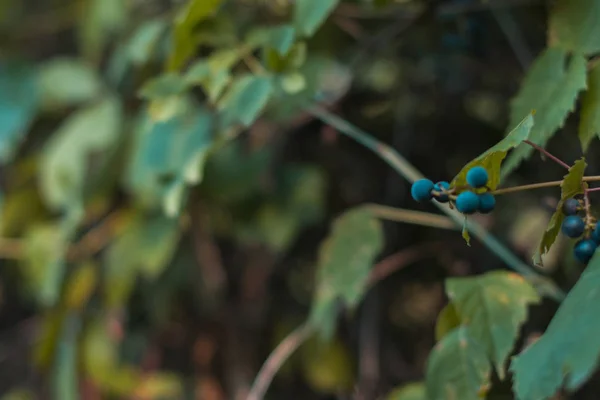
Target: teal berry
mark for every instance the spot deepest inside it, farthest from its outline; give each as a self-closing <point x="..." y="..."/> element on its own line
<point x="596" y="233"/>
<point x="477" y="177"/>
<point x="487" y="202"/>
<point x="421" y="190"/>
<point x="439" y="187"/>
<point x="584" y="250"/>
<point x="467" y="202"/>
<point x="573" y="226"/>
<point x="570" y="206"/>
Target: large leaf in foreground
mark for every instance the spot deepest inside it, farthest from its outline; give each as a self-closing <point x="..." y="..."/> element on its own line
<point x="567" y="353"/>
<point x="491" y="160"/>
<point x="310" y="14"/>
<point x="570" y="187"/>
<point x="550" y="88"/>
<point x="574" y="25"/>
<point x="457" y="368"/>
<point x="589" y="123"/>
<point x="493" y="306"/>
<point x="345" y="259"/>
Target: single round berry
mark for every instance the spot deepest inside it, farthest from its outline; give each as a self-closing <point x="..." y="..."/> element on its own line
<point x="570" y="206"/>
<point x="477" y="177"/>
<point x="596" y="233"/>
<point x="421" y="190"/>
<point x="573" y="226"/>
<point x="487" y="202"/>
<point x="440" y="187"/>
<point x="584" y="250"/>
<point x="467" y="202"/>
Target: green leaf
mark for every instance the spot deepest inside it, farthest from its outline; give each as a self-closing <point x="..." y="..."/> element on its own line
<point x="279" y="37"/>
<point x="550" y="89"/>
<point x="345" y="260"/>
<point x="574" y="26"/>
<point x="244" y="100"/>
<point x="465" y="231"/>
<point x="589" y="124"/>
<point x="168" y="153"/>
<point x="101" y="20"/>
<point x="64" y="161"/>
<point x="66" y="82"/>
<point x="310" y="14"/>
<point x="213" y="73"/>
<point x="145" y="248"/>
<point x="493" y="306"/>
<point x="457" y="368"/>
<point x="43" y="262"/>
<point x="165" y="85"/>
<point x="567" y="353"/>
<point x="142" y="44"/>
<point x="411" y="391"/>
<point x="570" y="186"/>
<point x="184" y="44"/>
<point x="447" y="321"/>
<point x="491" y="160"/>
<point x="18" y="105"/>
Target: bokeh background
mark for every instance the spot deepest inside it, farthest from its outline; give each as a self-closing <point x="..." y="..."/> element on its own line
<point x="159" y="236"/>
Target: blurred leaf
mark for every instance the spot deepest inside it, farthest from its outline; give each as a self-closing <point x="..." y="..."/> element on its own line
<point x="491" y="160"/>
<point x="550" y="88"/>
<point x="145" y="248"/>
<point x="465" y="231"/>
<point x="159" y="386"/>
<point x="43" y="262"/>
<point x="168" y="84"/>
<point x="213" y="73"/>
<point x="327" y="367"/>
<point x="589" y="124"/>
<point x="567" y="353"/>
<point x="493" y="306"/>
<point x="18" y="105"/>
<point x="64" y="160"/>
<point x="101" y="19"/>
<point x="169" y="152"/>
<point x="193" y="12"/>
<point x="345" y="260"/>
<point x="310" y="14"/>
<point x="279" y="38"/>
<point x="411" y="391"/>
<point x="142" y="43"/>
<point x="574" y="26"/>
<point x="22" y="208"/>
<point x="80" y="286"/>
<point x="287" y="62"/>
<point x="64" y="384"/>
<point x="244" y="100"/>
<point x="18" y="394"/>
<point x="458" y="368"/>
<point x="304" y="191"/>
<point x="570" y="186"/>
<point x="45" y="347"/>
<point x="66" y="82"/>
<point x="447" y="321"/>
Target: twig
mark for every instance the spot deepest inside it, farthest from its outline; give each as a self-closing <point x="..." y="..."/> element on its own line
<point x="548" y="154"/>
<point x="540" y="185"/>
<point x="277" y="358"/>
<point x="404" y="168"/>
<point x="513" y="35"/>
<point x="411" y="216"/>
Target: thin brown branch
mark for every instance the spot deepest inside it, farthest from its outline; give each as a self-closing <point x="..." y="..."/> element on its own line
<point x="548" y="154"/>
<point x="276" y="359"/>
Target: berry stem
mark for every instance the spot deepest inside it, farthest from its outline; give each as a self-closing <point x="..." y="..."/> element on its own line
<point x="596" y="189"/>
<point x="547" y="154"/>
<point x="540" y="185"/>
<point x="586" y="200"/>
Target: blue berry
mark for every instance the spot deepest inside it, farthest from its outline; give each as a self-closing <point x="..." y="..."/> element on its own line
<point x="477" y="177"/>
<point x="439" y="187"/>
<point x="596" y="233"/>
<point x="421" y="190"/>
<point x="467" y="202"/>
<point x="584" y="250"/>
<point x="570" y="206"/>
<point x="487" y="202"/>
<point x="573" y="226"/>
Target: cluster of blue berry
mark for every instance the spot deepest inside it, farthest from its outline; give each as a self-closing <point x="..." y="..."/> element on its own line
<point x="574" y="226"/>
<point x="467" y="201"/>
